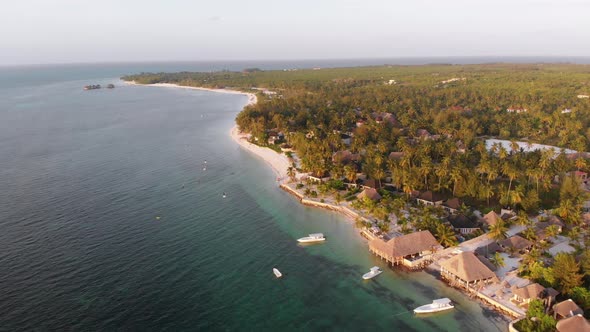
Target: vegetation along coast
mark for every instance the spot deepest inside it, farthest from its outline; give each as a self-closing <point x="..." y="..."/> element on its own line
<point x="477" y="172"/>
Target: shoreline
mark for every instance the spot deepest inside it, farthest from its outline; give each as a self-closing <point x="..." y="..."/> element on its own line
<point x="279" y="164"/>
<point x="252" y="99"/>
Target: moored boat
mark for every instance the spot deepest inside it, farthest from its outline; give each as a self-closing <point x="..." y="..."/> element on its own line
<point x="277" y="273"/>
<point x="375" y="271"/>
<point x="315" y="237"/>
<point x="436" y="306"/>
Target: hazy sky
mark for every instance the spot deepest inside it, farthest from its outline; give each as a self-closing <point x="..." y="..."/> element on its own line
<point x="49" y="31"/>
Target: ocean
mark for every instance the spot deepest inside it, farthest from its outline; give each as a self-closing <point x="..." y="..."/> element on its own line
<point x="112" y="218"/>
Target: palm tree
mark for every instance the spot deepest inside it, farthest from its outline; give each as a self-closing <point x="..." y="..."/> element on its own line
<point x="514" y="147"/>
<point x="522" y="218"/>
<point x="566" y="272"/>
<point x="580" y="163"/>
<point x="574" y="234"/>
<point x="446" y="235"/>
<point x="552" y="231"/>
<point x="498" y="260"/>
<point x="516" y="196"/>
<point x="568" y="211"/>
<point x="350" y="173"/>
<point x="529" y="234"/>
<point x="510" y="171"/>
<point x="379" y="173"/>
<point x="291" y="173"/>
<point x="338" y="198"/>
<point x="337" y="172"/>
<point x="499" y="231"/>
<point x="456" y="176"/>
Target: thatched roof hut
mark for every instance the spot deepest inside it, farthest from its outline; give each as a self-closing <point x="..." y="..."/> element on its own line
<point x="370" y="193"/>
<point x="529" y="292"/>
<point x="517" y="242"/>
<point x="491" y="218"/>
<point x="467" y="268"/>
<point x="576" y="323"/>
<point x="406" y="245"/>
<point x="566" y="309"/>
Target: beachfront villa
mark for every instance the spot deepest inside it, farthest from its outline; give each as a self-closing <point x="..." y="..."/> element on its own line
<point x="565" y="309"/>
<point x="466" y="270"/>
<point x="576" y="323"/>
<point x="463" y="224"/>
<point x="524" y="295"/>
<point x="413" y="251"/>
<point x="516" y="243"/>
<point x="369" y="193"/>
<point x="491" y="218"/>
<point x="452" y="205"/>
<point x="429" y="198"/>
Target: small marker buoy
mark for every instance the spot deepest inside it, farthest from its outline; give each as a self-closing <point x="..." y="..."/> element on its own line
<point x="157" y="217"/>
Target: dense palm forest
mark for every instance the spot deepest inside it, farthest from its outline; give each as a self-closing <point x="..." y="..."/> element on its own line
<point x="435" y="116"/>
<point x="424" y="128"/>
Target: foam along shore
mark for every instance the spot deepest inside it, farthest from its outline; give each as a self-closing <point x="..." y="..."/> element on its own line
<point x="252" y="99"/>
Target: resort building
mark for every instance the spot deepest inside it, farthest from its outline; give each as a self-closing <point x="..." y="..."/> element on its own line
<point x="517" y="243"/>
<point x="452" y="205"/>
<point x="565" y="309"/>
<point x="576" y="323"/>
<point x="463" y="224"/>
<point x="466" y="270"/>
<point x="345" y="157"/>
<point x="429" y="198"/>
<point x="413" y="250"/>
<point x="491" y="218"/>
<point x="369" y="193"/>
<point x="488" y="250"/>
<point x="526" y="294"/>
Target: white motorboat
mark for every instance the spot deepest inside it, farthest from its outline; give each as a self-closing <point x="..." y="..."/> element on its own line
<point x="436" y="306"/>
<point x="315" y="237"/>
<point x="375" y="271"/>
<point x="277" y="272"/>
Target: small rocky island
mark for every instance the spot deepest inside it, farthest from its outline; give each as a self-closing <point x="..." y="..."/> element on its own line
<point x="97" y="86"/>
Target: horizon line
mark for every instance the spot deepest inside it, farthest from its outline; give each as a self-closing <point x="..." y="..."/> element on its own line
<point x="301" y="60"/>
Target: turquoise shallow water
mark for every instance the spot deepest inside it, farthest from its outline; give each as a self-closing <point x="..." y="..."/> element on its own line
<point x="109" y="222"/>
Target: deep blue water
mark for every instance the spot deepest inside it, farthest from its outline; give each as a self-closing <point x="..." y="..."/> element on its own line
<point x="109" y="222"/>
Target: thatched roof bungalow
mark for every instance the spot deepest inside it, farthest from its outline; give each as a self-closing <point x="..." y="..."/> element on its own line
<point x="412" y="250"/>
<point x="452" y="205"/>
<point x="576" y="323"/>
<point x="491" y="218"/>
<point x="430" y="198"/>
<point x="528" y="293"/>
<point x="517" y="242"/>
<point x="466" y="269"/>
<point x="565" y="309"/>
<point x="369" y="193"/>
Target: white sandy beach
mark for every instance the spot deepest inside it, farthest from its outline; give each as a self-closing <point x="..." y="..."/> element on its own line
<point x="278" y="162"/>
<point x="252" y="99"/>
